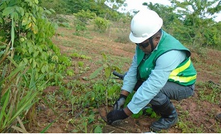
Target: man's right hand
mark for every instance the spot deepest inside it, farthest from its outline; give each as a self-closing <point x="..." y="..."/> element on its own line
<point x="120" y="102"/>
<point x="114" y="116"/>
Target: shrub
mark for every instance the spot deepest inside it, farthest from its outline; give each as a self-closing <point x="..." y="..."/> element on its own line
<point x="81" y="21"/>
<point x="101" y="24"/>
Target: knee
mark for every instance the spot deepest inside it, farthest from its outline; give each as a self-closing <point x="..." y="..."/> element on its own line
<point x="159" y="101"/>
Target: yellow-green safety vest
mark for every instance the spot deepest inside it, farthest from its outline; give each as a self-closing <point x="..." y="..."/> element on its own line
<point x="184" y="73"/>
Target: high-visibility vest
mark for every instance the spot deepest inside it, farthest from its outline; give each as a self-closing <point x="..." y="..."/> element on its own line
<point x="184" y="73"/>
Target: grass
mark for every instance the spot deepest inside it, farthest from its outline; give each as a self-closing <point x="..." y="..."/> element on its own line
<point x="209" y="92"/>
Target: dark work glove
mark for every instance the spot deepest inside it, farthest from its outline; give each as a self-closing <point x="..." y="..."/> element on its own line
<point x="120" y="102"/>
<point x="115" y="116"/>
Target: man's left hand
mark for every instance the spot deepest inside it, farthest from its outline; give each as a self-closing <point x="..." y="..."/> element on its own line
<point x="115" y="116"/>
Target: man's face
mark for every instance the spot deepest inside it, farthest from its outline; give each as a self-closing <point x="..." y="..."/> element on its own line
<point x="145" y="46"/>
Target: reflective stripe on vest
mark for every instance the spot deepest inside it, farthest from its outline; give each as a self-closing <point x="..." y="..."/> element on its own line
<point x="175" y="72"/>
<point x="183" y="79"/>
<point x="180" y="69"/>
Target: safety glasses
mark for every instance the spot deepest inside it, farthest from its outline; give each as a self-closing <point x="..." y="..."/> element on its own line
<point x="143" y="45"/>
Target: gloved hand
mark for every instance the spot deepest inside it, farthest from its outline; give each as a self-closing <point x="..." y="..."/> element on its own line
<point x="120" y="102"/>
<point x="115" y="116"/>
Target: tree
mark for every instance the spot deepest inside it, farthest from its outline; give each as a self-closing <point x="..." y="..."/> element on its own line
<point x="170" y="19"/>
<point x="198" y="23"/>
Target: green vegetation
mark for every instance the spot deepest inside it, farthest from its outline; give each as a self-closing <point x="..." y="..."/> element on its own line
<point x="212" y="94"/>
<point x="31" y="62"/>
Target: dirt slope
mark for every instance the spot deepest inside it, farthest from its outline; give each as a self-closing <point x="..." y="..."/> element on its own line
<point x="198" y="114"/>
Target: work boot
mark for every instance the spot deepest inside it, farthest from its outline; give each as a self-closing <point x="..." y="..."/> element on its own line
<point x="218" y="117"/>
<point x="168" y="118"/>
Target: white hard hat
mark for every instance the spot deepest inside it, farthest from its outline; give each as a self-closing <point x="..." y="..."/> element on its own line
<point x="144" y="25"/>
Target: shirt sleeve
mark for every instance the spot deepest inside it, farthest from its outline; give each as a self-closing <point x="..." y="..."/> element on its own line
<point x="165" y="64"/>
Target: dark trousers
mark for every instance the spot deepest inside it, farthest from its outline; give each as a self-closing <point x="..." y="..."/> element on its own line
<point x="171" y="91"/>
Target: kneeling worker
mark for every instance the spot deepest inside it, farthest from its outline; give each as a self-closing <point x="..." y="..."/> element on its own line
<point x="161" y="69"/>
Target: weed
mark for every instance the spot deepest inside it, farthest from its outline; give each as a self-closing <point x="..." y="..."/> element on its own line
<point x="80" y="63"/>
<point x="98" y="129"/>
<point x="77" y="55"/>
<point x="210" y="92"/>
<point x="70" y="72"/>
<point x="101" y="24"/>
<point x="81" y="124"/>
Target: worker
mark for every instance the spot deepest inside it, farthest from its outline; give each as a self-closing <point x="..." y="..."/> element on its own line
<point x="161" y="71"/>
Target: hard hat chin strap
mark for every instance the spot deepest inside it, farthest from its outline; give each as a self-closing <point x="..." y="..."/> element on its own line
<point x="151" y="43"/>
<point x="151" y="40"/>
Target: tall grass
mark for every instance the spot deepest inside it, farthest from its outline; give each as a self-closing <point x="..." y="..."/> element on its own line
<point x="18" y="91"/>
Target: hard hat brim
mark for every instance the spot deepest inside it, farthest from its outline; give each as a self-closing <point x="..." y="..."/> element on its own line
<point x="136" y="39"/>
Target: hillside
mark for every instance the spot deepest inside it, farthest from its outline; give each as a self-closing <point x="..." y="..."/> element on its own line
<point x="196" y="114"/>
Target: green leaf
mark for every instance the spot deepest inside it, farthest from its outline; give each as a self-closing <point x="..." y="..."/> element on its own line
<point x="137" y="115"/>
<point x="35" y="53"/>
<point x="17" y="70"/>
<point x="36" y="1"/>
<point x="104" y="56"/>
<point x="7" y="11"/>
<point x="149" y="111"/>
<point x="116" y="68"/>
<point x="105" y="65"/>
<point x="25" y="60"/>
<point x="96" y="72"/>
<point x="24" y="104"/>
<point x="30" y="49"/>
<point x="47" y="127"/>
<point x="48" y="12"/>
<point x="1" y="53"/>
<point x="153" y="115"/>
<point x="43" y="69"/>
<point x="98" y="129"/>
<point x="15" y="16"/>
<point x="107" y="72"/>
<point x="20" y="10"/>
<point x="32" y="84"/>
<point x="13" y="61"/>
<point x="25" y="20"/>
<point x="12" y="32"/>
<point x="52" y="10"/>
<point x="4" y="100"/>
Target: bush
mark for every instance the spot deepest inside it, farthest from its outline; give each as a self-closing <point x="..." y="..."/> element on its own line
<point x="101" y="24"/>
<point x="81" y="21"/>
